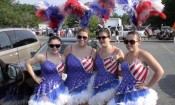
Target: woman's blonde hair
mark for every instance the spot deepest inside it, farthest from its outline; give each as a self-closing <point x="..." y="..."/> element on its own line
<point x="84" y="30"/>
<point x="134" y="33"/>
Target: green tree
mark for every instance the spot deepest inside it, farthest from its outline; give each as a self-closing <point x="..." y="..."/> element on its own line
<point x="125" y="19"/>
<point x="93" y="25"/>
<point x="70" y="22"/>
<point x="14" y="14"/>
<point x="169" y="11"/>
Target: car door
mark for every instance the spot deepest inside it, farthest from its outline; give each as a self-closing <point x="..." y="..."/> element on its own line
<point x="26" y="43"/>
<point x="8" y="54"/>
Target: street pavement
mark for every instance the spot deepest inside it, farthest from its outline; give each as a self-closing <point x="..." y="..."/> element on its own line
<point x="164" y="52"/>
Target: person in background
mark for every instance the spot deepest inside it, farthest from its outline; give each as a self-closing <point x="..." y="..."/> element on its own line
<point x="50" y="88"/>
<point x="134" y="90"/>
<point x="80" y="63"/>
<point x="117" y="36"/>
<point x="107" y="67"/>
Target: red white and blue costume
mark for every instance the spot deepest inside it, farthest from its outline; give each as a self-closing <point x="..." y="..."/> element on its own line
<point x="128" y="93"/>
<point x="106" y="80"/>
<point x="79" y="78"/>
<point x="52" y="90"/>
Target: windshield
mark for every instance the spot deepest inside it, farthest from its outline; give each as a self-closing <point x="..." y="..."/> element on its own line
<point x="45" y="47"/>
<point x="65" y="43"/>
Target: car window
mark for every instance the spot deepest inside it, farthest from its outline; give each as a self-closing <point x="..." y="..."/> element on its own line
<point x="65" y="44"/>
<point x="24" y="37"/>
<point x="11" y="35"/>
<point x="45" y="47"/>
<point x="4" y="41"/>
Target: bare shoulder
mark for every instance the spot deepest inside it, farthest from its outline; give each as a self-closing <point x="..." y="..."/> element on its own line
<point x="67" y="50"/>
<point x="68" y="47"/>
<point x="63" y="57"/>
<point x="118" y="51"/>
<point x="40" y="57"/>
<point x="145" y="54"/>
<point x="94" y="50"/>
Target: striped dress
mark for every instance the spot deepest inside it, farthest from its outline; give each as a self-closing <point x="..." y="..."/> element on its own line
<point x="127" y="93"/>
<point x="106" y="80"/>
<point x="79" y="78"/>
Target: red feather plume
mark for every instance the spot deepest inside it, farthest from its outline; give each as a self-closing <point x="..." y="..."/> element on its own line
<point x="74" y="7"/>
<point x="157" y="13"/>
<point x="41" y="15"/>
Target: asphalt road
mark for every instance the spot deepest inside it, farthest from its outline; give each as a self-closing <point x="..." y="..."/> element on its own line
<point x="164" y="52"/>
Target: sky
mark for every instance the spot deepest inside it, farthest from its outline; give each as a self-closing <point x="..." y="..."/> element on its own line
<point x="119" y="11"/>
<point x="52" y="2"/>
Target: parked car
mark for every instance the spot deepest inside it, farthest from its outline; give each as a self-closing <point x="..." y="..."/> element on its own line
<point x="141" y="32"/>
<point x="165" y="35"/>
<point x="15" y="82"/>
<point x="16" y="44"/>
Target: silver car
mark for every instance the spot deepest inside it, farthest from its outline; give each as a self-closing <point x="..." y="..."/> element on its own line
<point x="15" y="82"/>
<point x="16" y="44"/>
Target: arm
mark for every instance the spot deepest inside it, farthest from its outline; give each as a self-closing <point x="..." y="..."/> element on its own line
<point x="67" y="51"/>
<point x="120" y="58"/>
<point x="155" y="66"/>
<point x="94" y="54"/>
<point x="150" y="61"/>
<point x="32" y="61"/>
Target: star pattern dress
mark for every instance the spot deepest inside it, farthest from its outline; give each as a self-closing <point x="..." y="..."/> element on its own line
<point x="79" y="78"/>
<point x="52" y="90"/>
<point x="106" y="80"/>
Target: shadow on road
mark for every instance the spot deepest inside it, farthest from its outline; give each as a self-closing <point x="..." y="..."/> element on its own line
<point x="168" y="85"/>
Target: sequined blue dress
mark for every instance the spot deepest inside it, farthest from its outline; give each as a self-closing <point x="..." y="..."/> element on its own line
<point x="127" y="93"/>
<point x="52" y="90"/>
<point x="106" y="80"/>
<point x="79" y="80"/>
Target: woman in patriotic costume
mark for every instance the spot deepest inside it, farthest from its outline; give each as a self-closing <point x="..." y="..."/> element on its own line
<point x="50" y="89"/>
<point x="133" y="89"/>
<point x="80" y="63"/>
<point x="107" y="64"/>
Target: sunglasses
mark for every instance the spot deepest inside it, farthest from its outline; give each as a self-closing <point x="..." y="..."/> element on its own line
<point x="80" y="37"/>
<point x="132" y="42"/>
<point x="54" y="45"/>
<point x="102" y="37"/>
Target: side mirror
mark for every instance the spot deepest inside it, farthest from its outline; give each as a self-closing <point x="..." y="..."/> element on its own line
<point x="1" y="46"/>
<point x="32" y="54"/>
<point x="14" y="72"/>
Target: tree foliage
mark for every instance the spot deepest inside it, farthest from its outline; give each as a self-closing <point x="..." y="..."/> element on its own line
<point x="93" y="25"/>
<point x="70" y="22"/>
<point x="14" y="14"/>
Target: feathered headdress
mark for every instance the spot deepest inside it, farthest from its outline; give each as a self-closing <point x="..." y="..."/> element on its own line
<point x="139" y="12"/>
<point x="51" y="14"/>
<point x="148" y="8"/>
